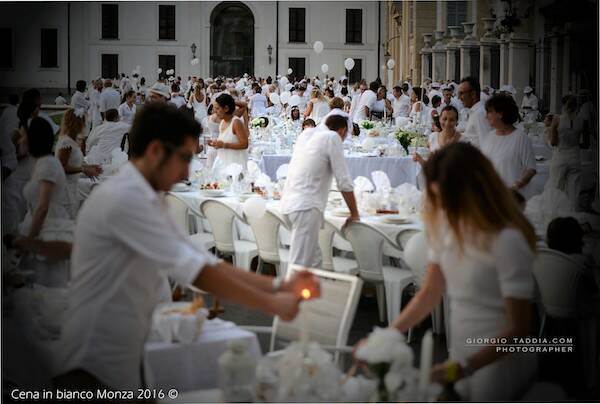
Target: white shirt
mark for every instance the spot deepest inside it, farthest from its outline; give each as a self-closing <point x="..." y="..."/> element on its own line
<point x="126" y="113"/>
<point x="478" y="126"/>
<point x="177" y="100"/>
<point x="511" y="155"/>
<point x="318" y="157"/>
<point x="258" y="105"/>
<point x="366" y="100"/>
<point x="107" y="137"/>
<point x="78" y="101"/>
<point x="401" y="106"/>
<point x="109" y="99"/>
<point x="453" y="102"/>
<point x="126" y="244"/>
<point x="60" y="100"/>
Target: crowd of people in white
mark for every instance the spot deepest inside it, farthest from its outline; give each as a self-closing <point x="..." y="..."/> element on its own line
<point x="113" y="249"/>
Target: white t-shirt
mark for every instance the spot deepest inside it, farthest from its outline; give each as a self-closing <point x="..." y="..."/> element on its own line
<point x="258" y="105"/>
<point x="126" y="244"/>
<point x="107" y="137"/>
<point x="177" y="100"/>
<point x="511" y="155"/>
<point x="109" y="99"/>
<point x="366" y="100"/>
<point x="126" y="113"/>
<point x="477" y="124"/>
<point x="401" y="106"/>
<point x="60" y="100"/>
<point x="78" y="101"/>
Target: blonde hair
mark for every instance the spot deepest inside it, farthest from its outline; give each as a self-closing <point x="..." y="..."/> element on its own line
<point x="71" y="124"/>
<point x="316" y="93"/>
<point x="336" y="102"/>
<point x="463" y="186"/>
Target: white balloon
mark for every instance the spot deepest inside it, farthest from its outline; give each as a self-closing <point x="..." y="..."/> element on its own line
<point x="289" y="71"/>
<point x="255" y="207"/>
<point x="285" y="97"/>
<point x="138" y="68"/>
<point x="283" y="81"/>
<point x="349" y="64"/>
<point x="324" y="68"/>
<point x="195" y="61"/>
<point x="318" y="46"/>
<point x="159" y="71"/>
<point x="391" y="63"/>
<point x="274" y="97"/>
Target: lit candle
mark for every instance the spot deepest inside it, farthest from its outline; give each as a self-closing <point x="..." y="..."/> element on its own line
<point x="425" y="370"/>
<point x="304" y="329"/>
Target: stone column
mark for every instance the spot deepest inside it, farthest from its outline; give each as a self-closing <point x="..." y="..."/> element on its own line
<point x="503" y="43"/>
<point x="467" y="44"/>
<point x="425" y="54"/>
<point x="519" y="54"/>
<point x="566" y="61"/>
<point x="487" y="43"/>
<point x="439" y="57"/>
<point x="453" y="46"/>
<point x="555" y="89"/>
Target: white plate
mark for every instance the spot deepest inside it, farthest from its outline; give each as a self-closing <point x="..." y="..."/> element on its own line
<point x="181" y="187"/>
<point x="395" y="219"/>
<point x="245" y="197"/>
<point x="341" y="212"/>
<point x="213" y="193"/>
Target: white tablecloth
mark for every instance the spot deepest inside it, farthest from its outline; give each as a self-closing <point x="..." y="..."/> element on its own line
<point x="194" y="366"/>
<point x="399" y="169"/>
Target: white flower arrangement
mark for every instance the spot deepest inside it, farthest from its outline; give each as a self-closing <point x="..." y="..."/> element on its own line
<point x="385" y="345"/>
<point x="260" y="122"/>
<point x="366" y="124"/>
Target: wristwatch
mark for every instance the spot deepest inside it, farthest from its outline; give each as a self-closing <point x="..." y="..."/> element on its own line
<point x="277" y="282"/>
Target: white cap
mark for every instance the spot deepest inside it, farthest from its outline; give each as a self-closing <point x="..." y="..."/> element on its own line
<point x="435" y="84"/>
<point x="507" y="88"/>
<point x="527" y="90"/>
<point x="161" y="89"/>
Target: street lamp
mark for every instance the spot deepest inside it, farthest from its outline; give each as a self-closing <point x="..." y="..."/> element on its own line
<point x="193" y="48"/>
<point x="270" y="51"/>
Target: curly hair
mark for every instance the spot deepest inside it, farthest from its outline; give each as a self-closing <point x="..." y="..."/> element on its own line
<point x="71" y="124"/>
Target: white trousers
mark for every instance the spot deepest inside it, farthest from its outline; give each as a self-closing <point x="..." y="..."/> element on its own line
<point x="304" y="243"/>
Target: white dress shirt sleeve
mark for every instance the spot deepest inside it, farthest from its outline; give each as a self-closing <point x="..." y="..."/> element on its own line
<point x="146" y="229"/>
<point x="514" y="261"/>
<point x="338" y="164"/>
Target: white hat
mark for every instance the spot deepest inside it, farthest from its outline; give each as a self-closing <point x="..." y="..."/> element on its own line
<point x="435" y="84"/>
<point x="507" y="88"/>
<point x="527" y="89"/>
<point x="343" y="78"/>
<point x="161" y="89"/>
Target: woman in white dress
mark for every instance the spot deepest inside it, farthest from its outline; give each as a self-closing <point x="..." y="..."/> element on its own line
<point x="565" y="167"/>
<point x="317" y="107"/>
<point x="481" y="252"/>
<point x="382" y="107"/>
<point x="232" y="143"/>
<point x="448" y="134"/>
<point x="257" y="102"/>
<point x="509" y="148"/>
<point x="198" y="101"/>
<point x="68" y="151"/>
<point x="419" y="111"/>
<point x="127" y="108"/>
<point x="47" y="218"/>
<point x="210" y="130"/>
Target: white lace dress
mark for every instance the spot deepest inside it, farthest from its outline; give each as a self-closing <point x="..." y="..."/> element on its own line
<point x="225" y="157"/>
<point x="319" y="110"/>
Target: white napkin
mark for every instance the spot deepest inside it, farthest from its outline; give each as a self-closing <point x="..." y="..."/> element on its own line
<point x="234" y="170"/>
<point x="541" y="209"/>
<point x="381" y="181"/>
<point x="362" y="184"/>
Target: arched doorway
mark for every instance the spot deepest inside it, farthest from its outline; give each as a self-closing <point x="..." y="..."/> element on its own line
<point x="231" y="40"/>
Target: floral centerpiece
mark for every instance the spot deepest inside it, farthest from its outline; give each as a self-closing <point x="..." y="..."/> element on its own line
<point x="261" y="122"/>
<point x="419" y="141"/>
<point x="366" y="124"/>
<point x="390" y="359"/>
<point x="405" y="137"/>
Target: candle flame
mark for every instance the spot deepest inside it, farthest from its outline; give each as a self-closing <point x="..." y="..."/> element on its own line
<point x="305" y="294"/>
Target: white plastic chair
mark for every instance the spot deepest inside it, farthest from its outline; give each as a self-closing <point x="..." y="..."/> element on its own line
<point x="556" y="277"/>
<point x="266" y="234"/>
<point x="328" y="318"/>
<point x="390" y="282"/>
<point x="180" y="211"/>
<point x="221" y="219"/>
<point x="415" y="256"/>
<point x="331" y="263"/>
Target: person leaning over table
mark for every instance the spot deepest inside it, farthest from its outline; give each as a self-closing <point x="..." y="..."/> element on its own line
<point x="318" y="156"/>
<point x="481" y="252"/>
<point x="125" y="245"/>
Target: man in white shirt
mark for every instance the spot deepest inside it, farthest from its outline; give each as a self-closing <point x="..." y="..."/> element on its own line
<point x="318" y="156"/>
<point x="365" y="103"/>
<point x="176" y="98"/>
<point x="78" y="100"/>
<point x="449" y="100"/>
<point x="478" y="126"/>
<point x="108" y="136"/>
<point x="401" y="104"/>
<point x="529" y="105"/>
<point x="257" y="102"/>
<point x="126" y="243"/>
<point x="109" y="98"/>
<point x="60" y="100"/>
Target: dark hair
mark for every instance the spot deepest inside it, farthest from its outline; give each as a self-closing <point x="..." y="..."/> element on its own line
<point x="13" y="99"/>
<point x="25" y="110"/>
<point x="296" y="109"/>
<point x="40" y="137"/>
<point x="504" y="104"/>
<point x="473" y="83"/>
<point x="397" y="88"/>
<point x="436" y="121"/>
<point x="269" y="80"/>
<point x="449" y="108"/>
<point x="336" y="122"/>
<point x="162" y="122"/>
<point x="448" y="89"/>
<point x="174" y="88"/>
<point x="112" y="115"/>
<point x="127" y="94"/>
<point x="355" y="129"/>
<point x="405" y="87"/>
<point x="436" y="100"/>
<point x="344" y="90"/>
<point x="80" y="85"/>
<point x="374" y="86"/>
<point x="418" y="93"/>
<point x="329" y="92"/>
<point x="32" y="95"/>
<point x="143" y="81"/>
<point x="258" y="89"/>
<point x="569" y="102"/>
<point x="308" y="122"/>
<point x="226" y="101"/>
<point x="564" y="234"/>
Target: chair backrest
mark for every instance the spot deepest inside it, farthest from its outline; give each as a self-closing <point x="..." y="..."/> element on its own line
<point x="557" y="278"/>
<point x="179" y="212"/>
<point x="326" y="235"/>
<point x="221" y="217"/>
<point x="328" y="318"/>
<point x="266" y="234"/>
<point x="415" y="256"/>
<point x="367" y="243"/>
<point x="403" y="236"/>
